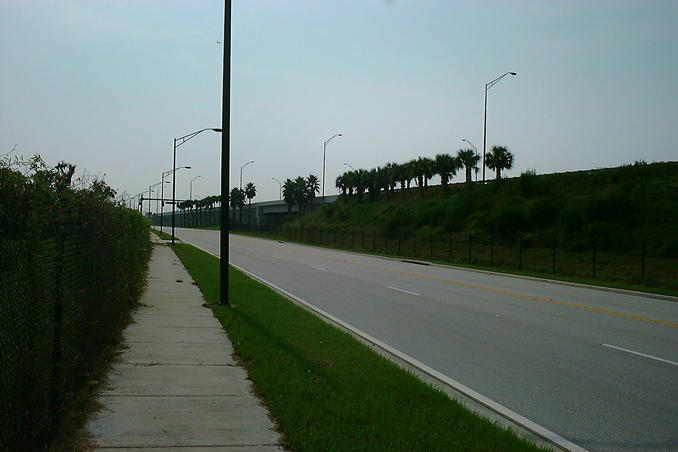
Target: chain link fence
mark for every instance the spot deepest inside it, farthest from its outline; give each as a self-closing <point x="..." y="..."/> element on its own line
<point x="60" y="300"/>
<point x="638" y="263"/>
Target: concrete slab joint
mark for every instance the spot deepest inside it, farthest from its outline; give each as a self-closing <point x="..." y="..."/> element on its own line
<point x="177" y="385"/>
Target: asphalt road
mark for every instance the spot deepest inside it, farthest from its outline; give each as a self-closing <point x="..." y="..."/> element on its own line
<point x="599" y="368"/>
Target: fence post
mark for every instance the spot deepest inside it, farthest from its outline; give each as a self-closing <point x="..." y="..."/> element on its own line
<point x="398" y="243"/>
<point x="363" y="247"/>
<point x="553" y="254"/>
<point x="469" y="248"/>
<point x="520" y="253"/>
<point x="374" y="241"/>
<point x="450" y="247"/>
<point x="594" y="258"/>
<point x="414" y="244"/>
<point x="352" y="239"/>
<point x="642" y="267"/>
<point x="431" y="246"/>
<point x="491" y="250"/>
<point x="55" y="399"/>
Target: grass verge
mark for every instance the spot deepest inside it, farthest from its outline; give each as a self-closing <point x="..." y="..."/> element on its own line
<point x="162" y="235"/>
<point x="325" y="389"/>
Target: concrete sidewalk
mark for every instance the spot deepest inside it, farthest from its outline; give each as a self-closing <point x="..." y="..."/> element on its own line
<point x="177" y="385"/>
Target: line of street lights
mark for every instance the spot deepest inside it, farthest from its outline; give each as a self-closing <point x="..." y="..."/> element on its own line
<point x="178" y="142"/>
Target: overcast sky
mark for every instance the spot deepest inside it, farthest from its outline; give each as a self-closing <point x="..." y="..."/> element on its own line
<point x="107" y="85"/>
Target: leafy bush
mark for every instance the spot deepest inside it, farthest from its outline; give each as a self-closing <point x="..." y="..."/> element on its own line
<point x="72" y="262"/>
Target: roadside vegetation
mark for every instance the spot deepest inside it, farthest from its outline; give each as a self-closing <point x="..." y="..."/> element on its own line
<point x="162" y="235"/>
<point x="326" y="390"/>
<point x="618" y="224"/>
<point x="72" y="265"/>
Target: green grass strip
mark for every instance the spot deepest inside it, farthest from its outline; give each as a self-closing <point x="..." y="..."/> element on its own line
<point x="325" y="389"/>
<point x="162" y="235"/>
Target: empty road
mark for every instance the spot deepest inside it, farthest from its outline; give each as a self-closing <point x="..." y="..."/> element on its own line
<point x="597" y="367"/>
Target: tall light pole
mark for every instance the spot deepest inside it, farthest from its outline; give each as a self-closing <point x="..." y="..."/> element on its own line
<point x="150" y="188"/>
<point x="279" y="183"/>
<point x="324" y="149"/>
<point x="178" y="142"/>
<point x="349" y="165"/>
<point x="251" y="161"/>
<point x="190" y="191"/>
<point x="488" y="86"/>
<point x="225" y="156"/>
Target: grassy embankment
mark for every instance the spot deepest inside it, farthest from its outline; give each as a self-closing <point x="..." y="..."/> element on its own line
<point x="326" y="390"/>
<point x="616" y="226"/>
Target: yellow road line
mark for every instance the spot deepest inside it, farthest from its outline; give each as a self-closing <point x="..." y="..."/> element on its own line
<point x="491" y="289"/>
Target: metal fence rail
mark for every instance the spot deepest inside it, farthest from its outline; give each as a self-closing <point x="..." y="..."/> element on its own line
<point x="637" y="264"/>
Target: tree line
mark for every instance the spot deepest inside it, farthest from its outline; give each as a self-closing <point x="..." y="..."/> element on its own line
<point x="236" y="199"/>
<point x="421" y="170"/>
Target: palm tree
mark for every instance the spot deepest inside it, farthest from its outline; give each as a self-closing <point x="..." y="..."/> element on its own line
<point x="402" y="175"/>
<point x="312" y="186"/>
<point x="250" y="192"/>
<point x="340" y="183"/>
<point x="391" y="175"/>
<point x="288" y="194"/>
<point x="362" y="182"/>
<point x="499" y="158"/>
<point x="237" y="200"/>
<point x="427" y="168"/>
<point x="300" y="193"/>
<point x="469" y="160"/>
<point x="373" y="184"/>
<point x="446" y="166"/>
<point x="351" y="181"/>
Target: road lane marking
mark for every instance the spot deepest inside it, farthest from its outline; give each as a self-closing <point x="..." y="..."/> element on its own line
<point x="460" y="388"/>
<point x="640" y="354"/>
<point x="513" y="294"/>
<point x="319" y="268"/>
<point x="492" y="289"/>
<point x="403" y="290"/>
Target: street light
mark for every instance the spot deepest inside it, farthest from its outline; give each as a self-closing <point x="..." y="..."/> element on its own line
<point x="324" y="148"/>
<point x="488" y="86"/>
<point x="190" y="192"/>
<point x="150" y="188"/>
<point x="162" y="192"/>
<point x="349" y="165"/>
<point x="251" y="161"/>
<point x="178" y="142"/>
<point x="475" y="149"/>
<point x="279" y="183"/>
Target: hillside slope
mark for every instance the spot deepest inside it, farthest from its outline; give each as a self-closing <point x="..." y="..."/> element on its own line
<point x="618" y="208"/>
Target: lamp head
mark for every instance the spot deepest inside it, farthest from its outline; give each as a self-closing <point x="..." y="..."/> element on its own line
<point x="512" y="73"/>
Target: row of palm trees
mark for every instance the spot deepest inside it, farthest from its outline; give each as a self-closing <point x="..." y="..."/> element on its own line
<point x="238" y="196"/>
<point x="300" y="191"/>
<point x="421" y="170"/>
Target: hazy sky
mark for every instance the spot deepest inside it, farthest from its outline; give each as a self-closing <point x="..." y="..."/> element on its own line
<point x="107" y="85"/>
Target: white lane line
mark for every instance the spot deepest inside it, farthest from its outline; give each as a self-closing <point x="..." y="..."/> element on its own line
<point x="535" y="428"/>
<point x="640" y="354"/>
<point x="403" y="290"/>
<point x="319" y="268"/>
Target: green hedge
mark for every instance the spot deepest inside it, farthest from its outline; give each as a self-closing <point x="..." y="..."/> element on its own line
<point x="72" y="263"/>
